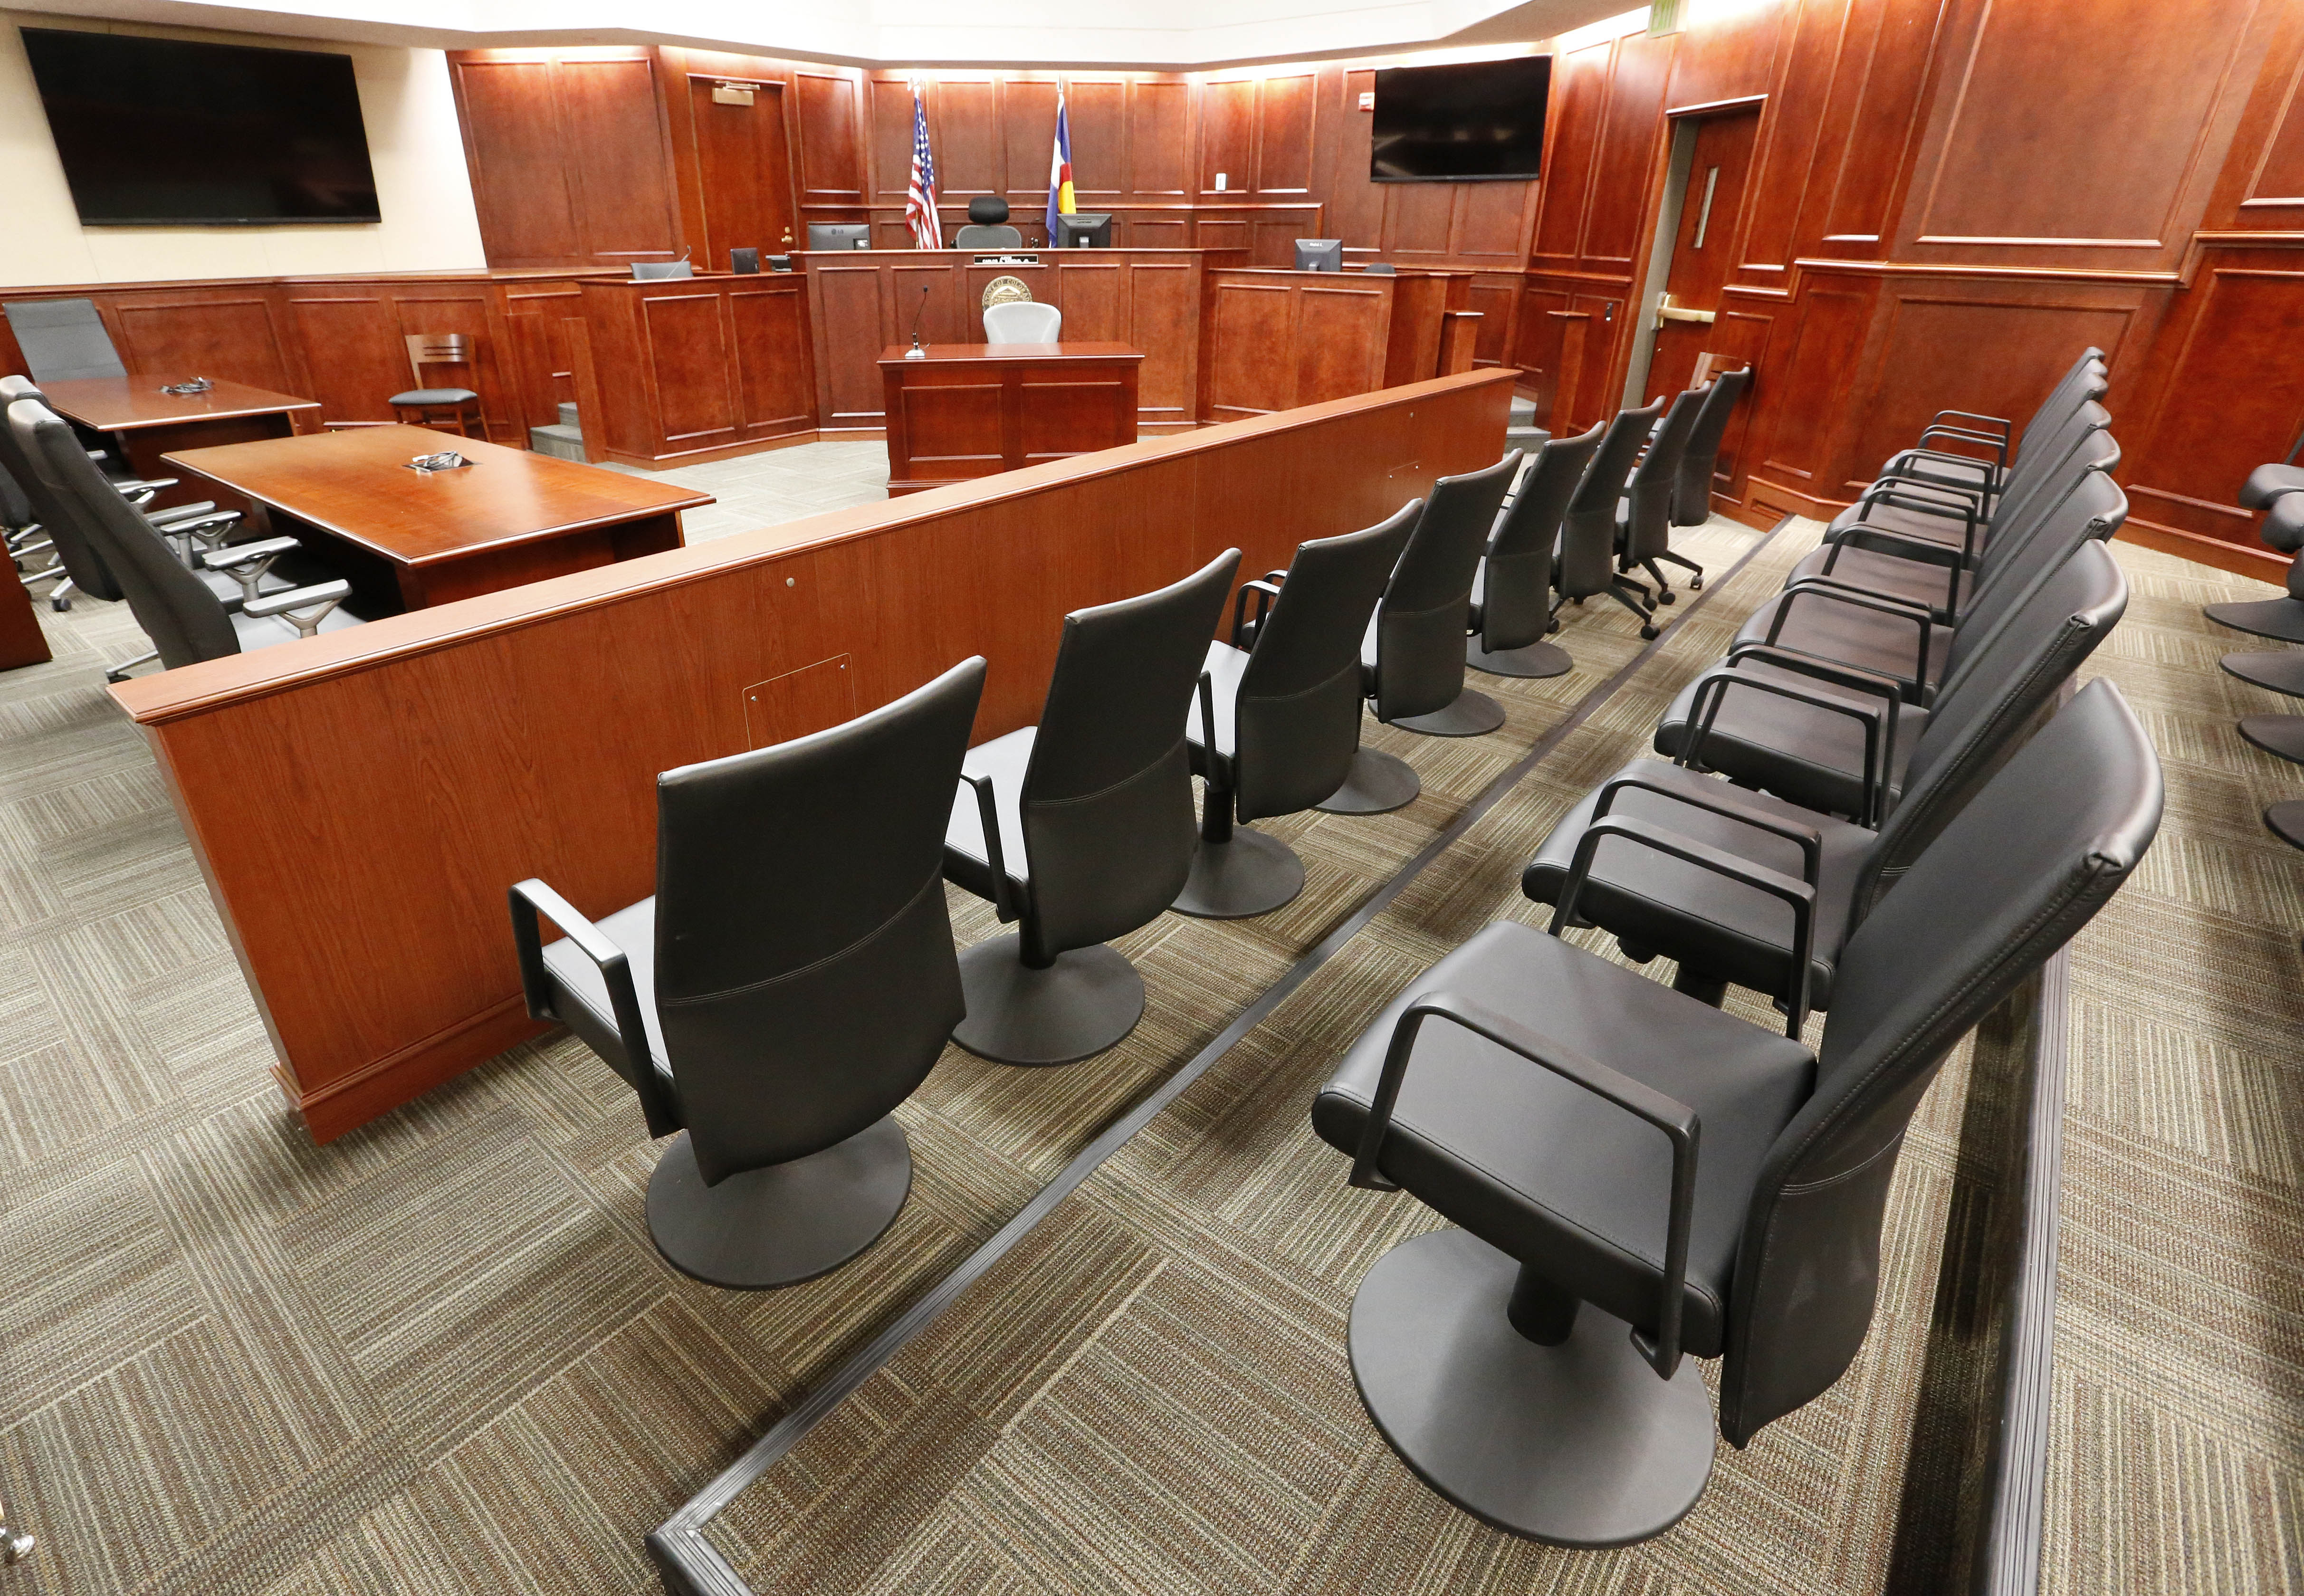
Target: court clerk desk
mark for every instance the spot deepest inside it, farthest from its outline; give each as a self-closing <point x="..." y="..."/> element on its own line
<point x="964" y="411"/>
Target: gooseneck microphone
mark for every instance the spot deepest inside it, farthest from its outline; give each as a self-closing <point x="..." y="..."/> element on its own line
<point x="916" y="352"/>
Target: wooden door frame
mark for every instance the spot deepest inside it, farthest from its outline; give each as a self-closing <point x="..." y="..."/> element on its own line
<point x="1671" y="187"/>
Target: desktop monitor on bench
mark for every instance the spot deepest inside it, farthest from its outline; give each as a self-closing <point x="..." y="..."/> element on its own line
<point x="1319" y="254"/>
<point x="839" y="235"/>
<point x="1091" y="229"/>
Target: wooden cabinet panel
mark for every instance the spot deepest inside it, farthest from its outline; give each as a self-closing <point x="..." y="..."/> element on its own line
<point x="1160" y="139"/>
<point x="1816" y="378"/>
<point x="1228" y="135"/>
<point x="1490" y="221"/>
<point x="1252" y="330"/>
<point x="1163" y="321"/>
<point x="1339" y="343"/>
<point x="1416" y="216"/>
<point x="363" y="360"/>
<point x="774" y="388"/>
<point x="519" y="172"/>
<point x="1028" y="122"/>
<point x="227" y="335"/>
<point x="1497" y="300"/>
<point x="1579" y="102"/>
<point x="831" y="164"/>
<point x="1283" y="160"/>
<point x="848" y="324"/>
<point x="971" y="154"/>
<point x="1897" y="36"/>
<point x="1097" y="112"/>
<point x="1619" y="208"/>
<point x="888" y="100"/>
<point x="614" y="148"/>
<point x="1156" y="233"/>
<point x="1089" y="295"/>
<point x="1355" y="204"/>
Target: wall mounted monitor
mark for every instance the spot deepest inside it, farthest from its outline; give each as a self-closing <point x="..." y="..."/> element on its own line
<point x="1091" y="229"/>
<point x="1465" y="122"/>
<point x="166" y="131"/>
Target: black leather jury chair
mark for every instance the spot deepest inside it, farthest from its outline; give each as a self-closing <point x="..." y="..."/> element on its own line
<point x="1587" y="533"/>
<point x="62" y="339"/>
<point x="1691" y="497"/>
<point x="988" y="227"/>
<point x="1277" y="720"/>
<point x="1512" y="606"/>
<point x="1640" y="1178"/>
<point x="1080" y="827"/>
<point x="1644" y="515"/>
<point x="1982" y="448"/>
<point x="789" y="984"/>
<point x="1413" y="654"/>
<point x="2278" y="490"/>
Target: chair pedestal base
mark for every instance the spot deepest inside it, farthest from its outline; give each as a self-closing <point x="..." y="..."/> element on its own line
<point x="2282" y="734"/>
<point x="1088" y="1000"/>
<point x="1472" y="714"/>
<point x="1530" y="660"/>
<point x="785" y="1223"/>
<point x="2281" y="669"/>
<point x="2280" y="618"/>
<point x="1577" y="1445"/>
<point x="1379" y="782"/>
<point x="2286" y="821"/>
<point x="1249" y="874"/>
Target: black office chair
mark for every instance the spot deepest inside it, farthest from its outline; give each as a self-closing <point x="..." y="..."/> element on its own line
<point x="988" y="227"/>
<point x="1081" y="827"/>
<point x="187" y="619"/>
<point x="2278" y="490"/>
<point x="1641" y="1176"/>
<point x="1413" y="654"/>
<point x="1719" y="891"/>
<point x="1277" y="720"/>
<point x="1987" y="447"/>
<point x="789" y="984"/>
<point x="62" y="339"/>
<point x="1512" y="606"/>
<point x="1691" y="499"/>
<point x="1644" y="514"/>
<point x="1587" y="533"/>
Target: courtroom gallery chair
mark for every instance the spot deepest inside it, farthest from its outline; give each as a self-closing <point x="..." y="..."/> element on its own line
<point x="1412" y="656"/>
<point x="2279" y="491"/>
<point x="1985" y="447"/>
<point x="1642" y="1178"/>
<point x="988" y="227"/>
<point x="1512" y="606"/>
<point x="1644" y="514"/>
<point x="419" y="406"/>
<point x="1744" y="888"/>
<point x="1023" y="321"/>
<point x="1691" y="498"/>
<point x="137" y="490"/>
<point x="187" y="620"/>
<point x="1080" y="830"/>
<point x="791" y="982"/>
<point x="64" y="339"/>
<point x="1587" y="567"/>
<point x="1276" y="721"/>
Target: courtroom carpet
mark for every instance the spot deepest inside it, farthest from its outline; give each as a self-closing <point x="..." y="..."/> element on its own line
<point x="777" y="485"/>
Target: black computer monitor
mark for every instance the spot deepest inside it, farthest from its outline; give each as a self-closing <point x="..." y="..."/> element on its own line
<point x="743" y="260"/>
<point x="1091" y="229"/>
<point x="839" y="235"/>
<point x="1319" y="254"/>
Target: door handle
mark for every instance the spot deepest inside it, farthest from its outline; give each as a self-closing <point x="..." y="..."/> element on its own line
<point x="1668" y="312"/>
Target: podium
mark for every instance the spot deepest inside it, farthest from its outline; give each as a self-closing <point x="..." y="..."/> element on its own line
<point x="969" y="410"/>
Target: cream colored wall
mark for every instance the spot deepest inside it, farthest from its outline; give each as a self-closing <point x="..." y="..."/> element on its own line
<point x="425" y="193"/>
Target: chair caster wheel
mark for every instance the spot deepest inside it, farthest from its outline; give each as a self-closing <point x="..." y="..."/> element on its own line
<point x="60" y="604"/>
<point x="1694" y="583"/>
<point x="1668" y="596"/>
<point x="1647" y="631"/>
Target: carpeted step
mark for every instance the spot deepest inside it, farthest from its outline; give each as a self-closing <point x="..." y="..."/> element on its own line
<point x="563" y="442"/>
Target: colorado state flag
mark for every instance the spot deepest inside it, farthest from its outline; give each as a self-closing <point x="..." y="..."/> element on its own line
<point x="1060" y="171"/>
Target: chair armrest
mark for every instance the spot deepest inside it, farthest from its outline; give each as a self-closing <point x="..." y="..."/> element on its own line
<point x="1968" y="514"/>
<point x="529" y="900"/>
<point x="240" y="554"/>
<point x="2002" y="422"/>
<point x="207" y="527"/>
<point x="1676" y="1120"/>
<point x="1712" y="694"/>
<point x="175" y="513"/>
<point x="330" y="593"/>
<point x="1817" y="581"/>
<point x="1808" y="838"/>
<point x="1242" y="628"/>
<point x="1837" y="593"/>
<point x="987" y="815"/>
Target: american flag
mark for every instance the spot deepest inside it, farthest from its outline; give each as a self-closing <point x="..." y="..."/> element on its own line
<point x="920" y="202"/>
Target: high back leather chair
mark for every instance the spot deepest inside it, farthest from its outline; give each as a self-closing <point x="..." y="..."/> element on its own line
<point x="1023" y="321"/>
<point x="987" y="227"/>
<point x="1413" y="654"/>
<point x="76" y="556"/>
<point x="1276" y="723"/>
<point x="62" y="339"/>
<point x="1640" y="1177"/>
<point x="1644" y="516"/>
<point x="420" y="405"/>
<point x="1512" y="606"/>
<point x="1080" y="828"/>
<point x="1691" y="498"/>
<point x="1984" y="451"/>
<point x="789" y="984"/>
<point x="1587" y="533"/>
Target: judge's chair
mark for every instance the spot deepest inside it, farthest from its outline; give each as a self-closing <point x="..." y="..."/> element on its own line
<point x="988" y="227"/>
<point x="790" y="983"/>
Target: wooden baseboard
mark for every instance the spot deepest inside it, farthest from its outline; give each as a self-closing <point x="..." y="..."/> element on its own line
<point x="2259" y="563"/>
<point x="331" y="1109"/>
<point x="665" y="462"/>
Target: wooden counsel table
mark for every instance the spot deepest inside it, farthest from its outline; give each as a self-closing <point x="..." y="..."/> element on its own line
<point x="406" y="539"/>
<point x="969" y="410"/>
<point x="146" y="423"/>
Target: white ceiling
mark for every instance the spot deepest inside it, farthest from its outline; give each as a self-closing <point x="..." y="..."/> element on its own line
<point x="1169" y="35"/>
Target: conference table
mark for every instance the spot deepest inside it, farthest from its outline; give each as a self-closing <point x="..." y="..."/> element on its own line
<point x="407" y="538"/>
<point x="144" y="422"/>
<point x="962" y="410"/>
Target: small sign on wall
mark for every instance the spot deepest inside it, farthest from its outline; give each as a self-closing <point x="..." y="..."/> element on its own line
<point x="1367" y="99"/>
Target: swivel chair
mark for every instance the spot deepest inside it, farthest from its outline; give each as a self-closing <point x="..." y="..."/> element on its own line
<point x="1691" y="497"/>
<point x="1993" y="435"/>
<point x="1587" y="533"/>
<point x="2278" y="490"/>
<point x="1512" y="606"/>
<point x="791" y="982"/>
<point x="988" y="227"/>
<point x="1640" y="1178"/>
<point x="1644" y="514"/>
<point x="1413" y="654"/>
<point x="1277" y="721"/>
<point x="64" y="340"/>
<point x="1023" y="321"/>
<point x="1080" y="827"/>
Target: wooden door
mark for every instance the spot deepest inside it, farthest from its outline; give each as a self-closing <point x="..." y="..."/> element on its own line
<point x="746" y="166"/>
<point x="1703" y="251"/>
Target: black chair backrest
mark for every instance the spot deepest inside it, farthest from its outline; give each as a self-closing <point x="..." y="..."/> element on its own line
<point x="1656" y="478"/>
<point x="1974" y="727"/>
<point x="64" y="520"/>
<point x="15" y="504"/>
<point x="1421" y="620"/>
<point x="1691" y="499"/>
<point x="2092" y="506"/>
<point x="1516" y="588"/>
<point x="1107" y="798"/>
<point x="2086" y="380"/>
<point x="1297" y="718"/>
<point x="805" y="976"/>
<point x="2045" y="460"/>
<point x="1587" y="533"/>
<point x="2021" y="869"/>
<point x="184" y="619"/>
<point x="62" y="339"/>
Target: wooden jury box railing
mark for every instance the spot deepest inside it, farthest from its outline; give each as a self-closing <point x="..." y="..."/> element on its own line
<point x="360" y="801"/>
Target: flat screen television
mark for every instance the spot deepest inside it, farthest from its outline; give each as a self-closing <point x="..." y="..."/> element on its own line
<point x="163" y="131"/>
<point x="1464" y="122"/>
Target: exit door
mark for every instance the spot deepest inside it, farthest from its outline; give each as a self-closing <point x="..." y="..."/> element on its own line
<point x="743" y="158"/>
<point x="1703" y="249"/>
